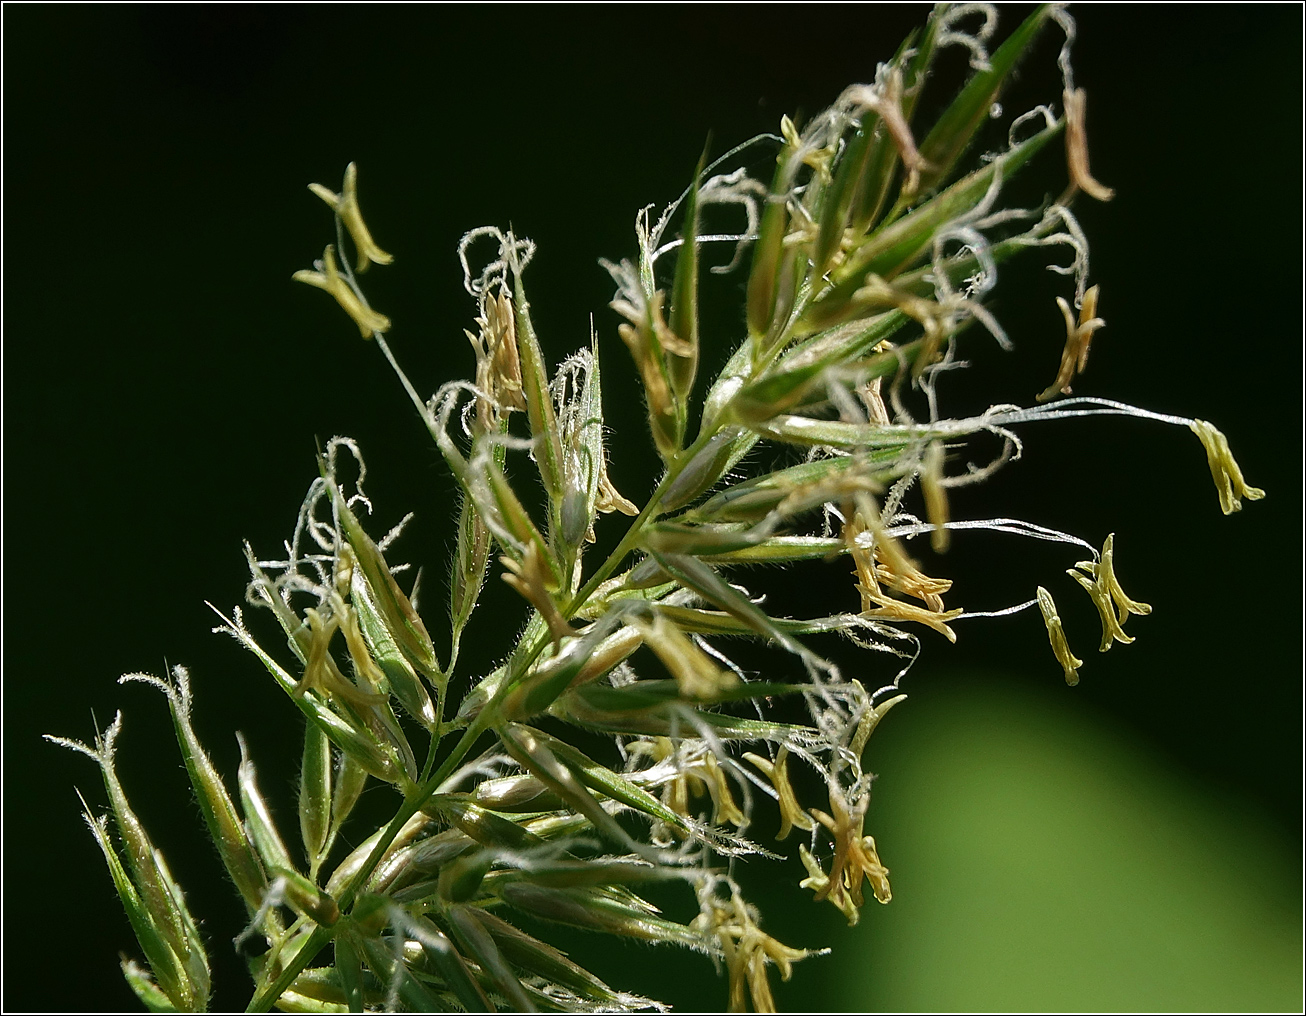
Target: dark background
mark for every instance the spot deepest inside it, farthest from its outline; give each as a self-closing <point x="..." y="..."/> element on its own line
<point x="165" y="382"/>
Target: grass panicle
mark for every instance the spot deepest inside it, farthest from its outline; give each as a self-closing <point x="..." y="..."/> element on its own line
<point x="873" y="246"/>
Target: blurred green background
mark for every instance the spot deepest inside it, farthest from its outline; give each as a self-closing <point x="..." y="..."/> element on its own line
<point x="1133" y="843"/>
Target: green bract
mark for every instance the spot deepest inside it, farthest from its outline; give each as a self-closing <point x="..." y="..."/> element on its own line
<point x="873" y="247"/>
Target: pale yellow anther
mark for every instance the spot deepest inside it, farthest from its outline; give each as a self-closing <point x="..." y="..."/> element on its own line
<point x="676" y="796"/>
<point x="610" y="499"/>
<point x="789" y="132"/>
<point x="320" y="671"/>
<point x="344" y="572"/>
<point x="345" y="205"/>
<point x="329" y="278"/>
<point x="777" y="772"/>
<point x="869" y="721"/>
<point x="819" y="882"/>
<point x="677" y="791"/>
<point x="650" y="340"/>
<point x="1057" y="636"/>
<point x="366" y="669"/>
<point x="815" y="158"/>
<point x="321" y="628"/>
<point x="936" y="495"/>
<point x="869" y="392"/>
<point x="884" y="560"/>
<point x="816" y="879"/>
<point x="724" y="808"/>
<point x="746" y="950"/>
<point x="1077" y="148"/>
<point x="855" y="859"/>
<point x="1107" y="573"/>
<point x="1079" y="335"/>
<point x="929" y="314"/>
<point x="1111" y="630"/>
<point x="1228" y="477"/>
<point x="891" y="609"/>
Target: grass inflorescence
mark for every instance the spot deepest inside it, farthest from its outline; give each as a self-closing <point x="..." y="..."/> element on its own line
<point x="870" y="253"/>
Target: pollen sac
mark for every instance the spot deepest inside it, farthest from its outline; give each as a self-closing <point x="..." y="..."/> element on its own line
<point x="1057" y="636"/>
<point x="1107" y="569"/>
<point x="791" y="815"/>
<point x="1229" y="482"/>
<point x="1099" y="578"/>
<point x="498" y="366"/>
<point x="328" y="277"/>
<point x="1112" y="632"/>
<point x="1079" y="335"/>
<point x="747" y="951"/>
<point x="345" y="205"/>
<point x="855" y="859"/>
<point x="936" y="495"/>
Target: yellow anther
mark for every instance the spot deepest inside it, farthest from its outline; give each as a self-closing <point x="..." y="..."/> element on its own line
<point x="747" y="949"/>
<point x="1057" y="636"/>
<point x="1113" y="604"/>
<point x="345" y="205"/>
<point x="929" y="314"/>
<point x="1111" y="630"/>
<point x="498" y="368"/>
<point x="1107" y="575"/>
<point x="1074" y="358"/>
<point x="650" y="340"/>
<point x="697" y="677"/>
<point x="936" y="495"/>
<point x="896" y="610"/>
<point x="320" y="671"/>
<point x="1077" y="148"/>
<point x="330" y="279"/>
<point x="869" y="721"/>
<point x="855" y="859"/>
<point x="886" y="561"/>
<point x="610" y="499"/>
<point x="777" y="772"/>
<point x="724" y="808"/>
<point x="1224" y="470"/>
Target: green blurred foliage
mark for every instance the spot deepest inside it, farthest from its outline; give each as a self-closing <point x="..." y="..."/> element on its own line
<point x="1043" y="862"/>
